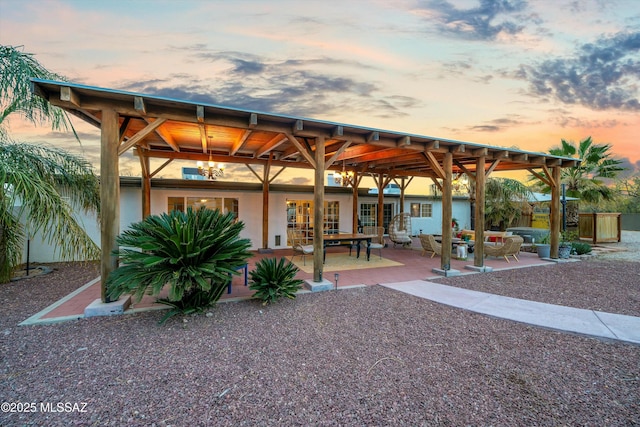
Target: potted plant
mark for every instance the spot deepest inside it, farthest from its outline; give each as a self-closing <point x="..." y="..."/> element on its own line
<point x="564" y="248"/>
<point x="543" y="247"/>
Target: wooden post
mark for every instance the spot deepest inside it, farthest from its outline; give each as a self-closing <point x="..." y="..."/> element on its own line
<point x="381" y="185"/>
<point x="265" y="204"/>
<point x="478" y="257"/>
<point x="146" y="185"/>
<point x="402" y="188"/>
<point x="354" y="187"/>
<point x="555" y="213"/>
<point x="447" y="199"/>
<point x="318" y="211"/>
<point x="109" y="196"/>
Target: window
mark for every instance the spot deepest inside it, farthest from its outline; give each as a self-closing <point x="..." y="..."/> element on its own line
<point x="369" y="214"/>
<point x="421" y="210"/>
<point x="300" y="216"/>
<point x="175" y="204"/>
<point x="224" y="204"/>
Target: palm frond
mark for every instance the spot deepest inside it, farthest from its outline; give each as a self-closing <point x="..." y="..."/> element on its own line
<point x="16" y="70"/>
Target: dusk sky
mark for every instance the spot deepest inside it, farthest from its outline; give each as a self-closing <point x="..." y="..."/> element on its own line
<point x="512" y="73"/>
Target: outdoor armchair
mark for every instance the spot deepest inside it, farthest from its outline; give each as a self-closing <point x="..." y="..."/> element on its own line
<point x="429" y="244"/>
<point x="510" y="247"/>
<point x="424" y="242"/>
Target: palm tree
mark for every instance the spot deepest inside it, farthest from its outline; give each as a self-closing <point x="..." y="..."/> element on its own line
<point x="586" y="181"/>
<point x="41" y="186"/>
<point x="504" y="201"/>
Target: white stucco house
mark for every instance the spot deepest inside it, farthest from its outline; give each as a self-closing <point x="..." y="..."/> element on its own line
<point x="287" y="204"/>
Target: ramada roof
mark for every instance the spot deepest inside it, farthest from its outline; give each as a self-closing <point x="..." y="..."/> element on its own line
<point x="159" y="127"/>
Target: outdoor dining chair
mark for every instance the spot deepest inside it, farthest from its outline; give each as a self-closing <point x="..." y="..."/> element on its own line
<point x="376" y="242"/>
<point x="296" y="238"/>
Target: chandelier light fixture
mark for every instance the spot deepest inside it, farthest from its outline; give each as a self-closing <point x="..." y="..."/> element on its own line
<point x="212" y="171"/>
<point x="460" y="183"/>
<point x="345" y="177"/>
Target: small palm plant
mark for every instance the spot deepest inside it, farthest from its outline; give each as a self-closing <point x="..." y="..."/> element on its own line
<point x="273" y="280"/>
<point x="194" y="253"/>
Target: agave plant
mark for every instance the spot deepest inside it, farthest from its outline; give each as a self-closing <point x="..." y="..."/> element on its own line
<point x="273" y="280"/>
<point x="194" y="253"/>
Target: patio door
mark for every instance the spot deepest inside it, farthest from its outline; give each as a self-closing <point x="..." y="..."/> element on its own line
<point x="369" y="214"/>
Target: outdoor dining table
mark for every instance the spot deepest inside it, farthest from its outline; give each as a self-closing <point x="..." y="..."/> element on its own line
<point x="349" y="237"/>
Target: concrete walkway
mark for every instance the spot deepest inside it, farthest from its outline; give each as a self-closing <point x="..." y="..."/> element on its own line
<point x="576" y="320"/>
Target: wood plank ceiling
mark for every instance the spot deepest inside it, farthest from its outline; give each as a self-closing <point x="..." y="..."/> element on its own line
<point x="158" y="127"/>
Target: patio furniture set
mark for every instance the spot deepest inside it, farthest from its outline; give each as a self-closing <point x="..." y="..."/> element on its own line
<point x="496" y="244"/>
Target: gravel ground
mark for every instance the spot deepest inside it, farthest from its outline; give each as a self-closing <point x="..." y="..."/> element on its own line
<point x="368" y="356"/>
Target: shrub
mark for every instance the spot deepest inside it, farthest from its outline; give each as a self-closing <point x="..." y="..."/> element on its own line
<point x="580" y="248"/>
<point x="273" y="280"/>
<point x="194" y="253"/>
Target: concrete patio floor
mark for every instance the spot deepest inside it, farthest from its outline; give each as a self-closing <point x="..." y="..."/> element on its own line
<point x="414" y="267"/>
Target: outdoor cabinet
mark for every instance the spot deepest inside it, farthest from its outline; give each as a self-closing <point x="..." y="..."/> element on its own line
<point x="600" y="227"/>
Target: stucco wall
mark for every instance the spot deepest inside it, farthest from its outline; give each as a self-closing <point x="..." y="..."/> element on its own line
<point x="250" y="212"/>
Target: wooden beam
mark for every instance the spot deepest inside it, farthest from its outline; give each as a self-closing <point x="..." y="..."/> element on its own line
<point x="253" y="120"/>
<point x="480" y="152"/>
<point x="437" y="183"/>
<point x="464" y="169"/>
<point x="492" y="167"/>
<point x="520" y="158"/>
<point x="240" y="142"/>
<point x="275" y="175"/>
<point x="138" y="137"/>
<point x="69" y="95"/>
<point x="254" y="172"/>
<point x="501" y="154"/>
<point x="431" y="145"/>
<point x="168" y="138"/>
<point x="204" y="141"/>
<point x="306" y="154"/>
<point x="275" y="142"/>
<point x="373" y="136"/>
<point x="537" y="160"/>
<point x="404" y="141"/>
<point x="162" y="166"/>
<point x="552" y="182"/>
<point x="335" y="155"/>
<point x="123" y="128"/>
<point x="433" y="162"/>
<point x="540" y="177"/>
<point x="357" y="151"/>
<point x="139" y="106"/>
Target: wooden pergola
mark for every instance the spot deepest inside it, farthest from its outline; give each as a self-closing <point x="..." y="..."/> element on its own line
<point x="163" y="128"/>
